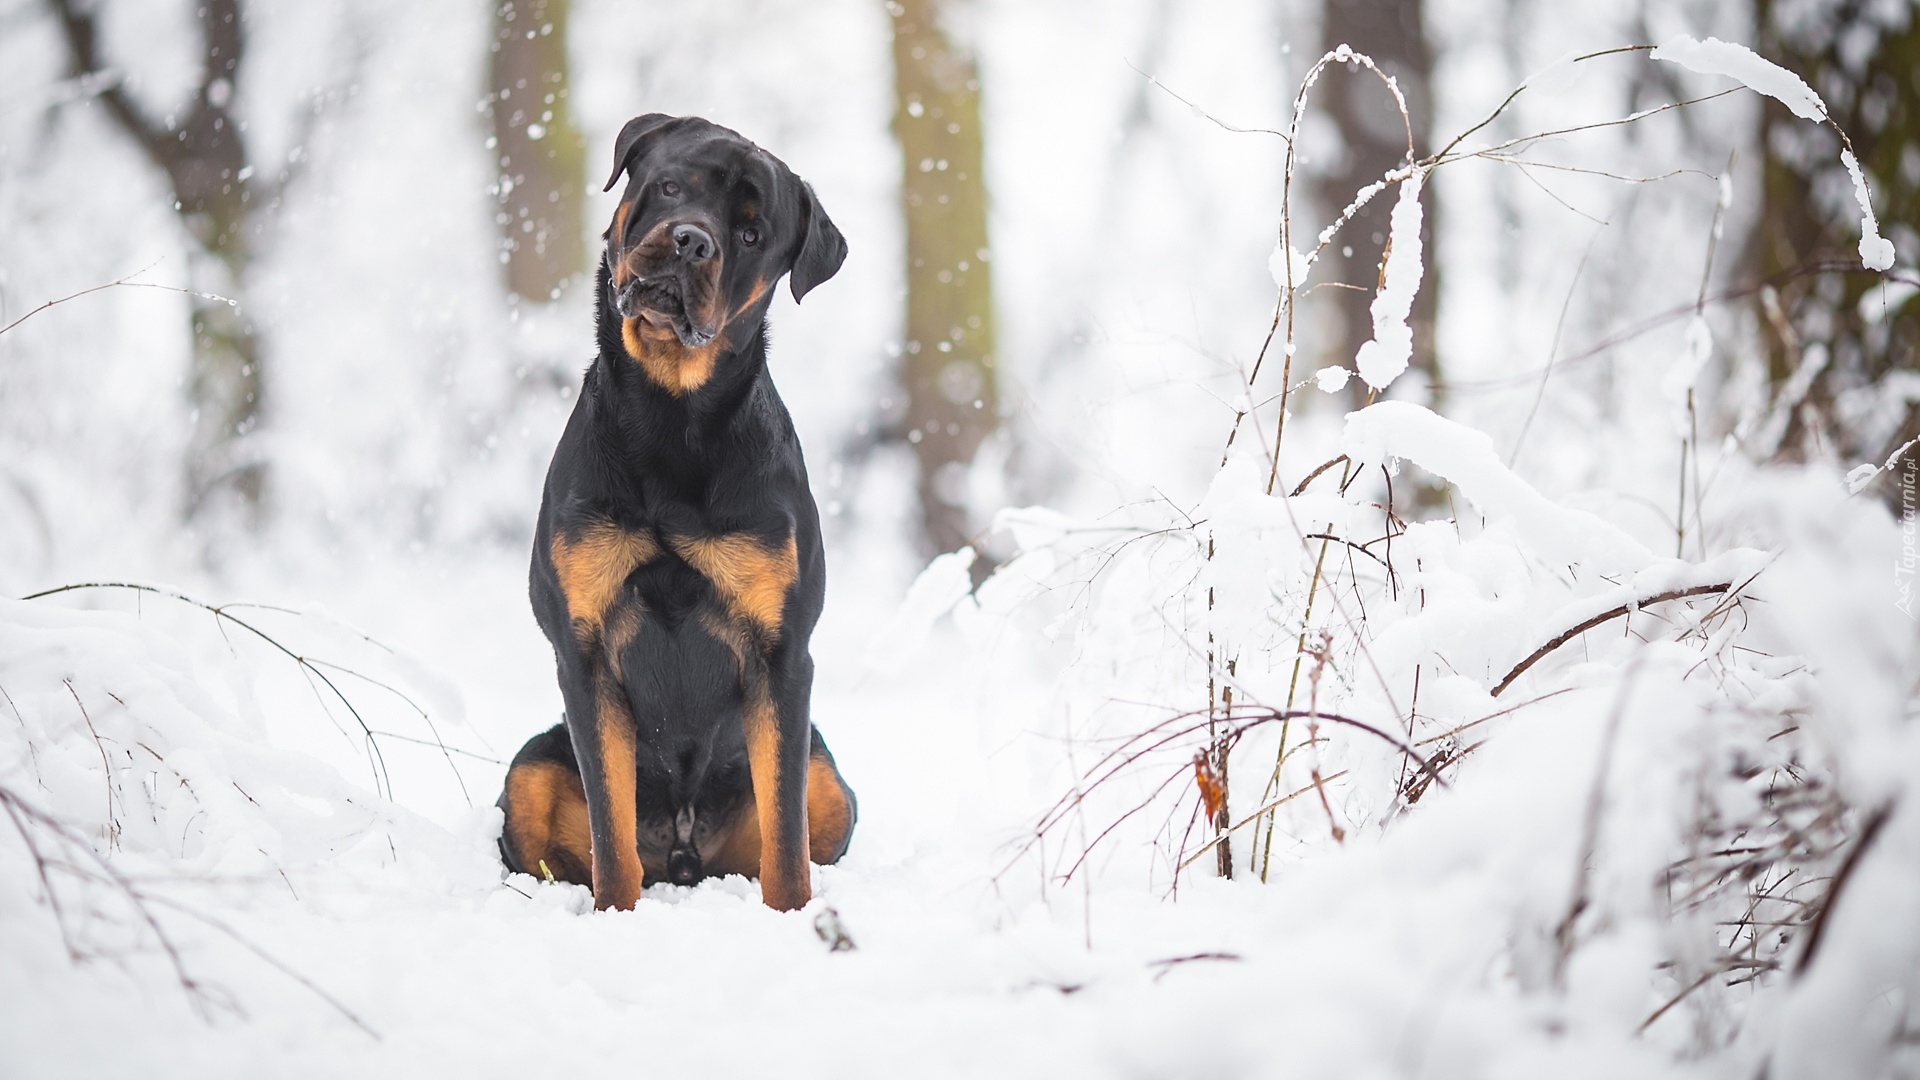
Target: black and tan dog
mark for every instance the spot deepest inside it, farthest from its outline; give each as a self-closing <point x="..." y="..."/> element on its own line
<point x="677" y="567"/>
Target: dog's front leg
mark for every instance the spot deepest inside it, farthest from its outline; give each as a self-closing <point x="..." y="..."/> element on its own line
<point x="779" y="737"/>
<point x="589" y="568"/>
<point x="602" y="728"/>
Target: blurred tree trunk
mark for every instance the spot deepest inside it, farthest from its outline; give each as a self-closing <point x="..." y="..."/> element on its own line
<point x="947" y="362"/>
<point x="542" y="157"/>
<point x="204" y="154"/>
<point x="1837" y="371"/>
<point x="1375" y="141"/>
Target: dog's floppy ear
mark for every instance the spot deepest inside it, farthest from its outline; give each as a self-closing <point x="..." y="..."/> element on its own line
<point x="632" y="138"/>
<point x="821" y="252"/>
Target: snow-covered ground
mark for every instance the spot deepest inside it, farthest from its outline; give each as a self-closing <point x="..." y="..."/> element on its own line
<point x="312" y="927"/>
<point x="260" y="840"/>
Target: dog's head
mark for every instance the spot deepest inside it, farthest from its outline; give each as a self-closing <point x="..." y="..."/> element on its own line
<point x="706" y="226"/>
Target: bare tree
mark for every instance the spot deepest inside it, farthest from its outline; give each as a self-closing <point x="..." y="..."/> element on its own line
<point x="225" y="208"/>
<point x="1832" y="359"/>
<point x="947" y="362"/>
<point x="1375" y="140"/>
<point x="542" y="157"/>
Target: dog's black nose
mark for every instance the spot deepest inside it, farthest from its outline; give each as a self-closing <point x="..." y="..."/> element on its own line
<point x="694" y="244"/>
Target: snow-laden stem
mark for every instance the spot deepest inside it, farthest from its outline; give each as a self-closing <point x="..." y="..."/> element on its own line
<point x="313" y="669"/>
<point x="1286" y="275"/>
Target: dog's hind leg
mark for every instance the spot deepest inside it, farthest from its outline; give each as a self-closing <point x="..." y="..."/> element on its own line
<point x="546" y="833"/>
<point x="831" y="813"/>
<point x="831" y="807"/>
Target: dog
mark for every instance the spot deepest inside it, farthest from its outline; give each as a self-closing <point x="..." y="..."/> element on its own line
<point x="677" y="566"/>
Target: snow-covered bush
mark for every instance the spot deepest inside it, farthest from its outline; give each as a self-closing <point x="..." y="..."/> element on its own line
<point x="1650" y="794"/>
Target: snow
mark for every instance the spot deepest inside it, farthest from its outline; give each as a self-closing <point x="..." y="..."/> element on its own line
<point x="1465" y="457"/>
<point x="945" y="582"/>
<point x="1384" y="359"/>
<point x="1876" y="251"/>
<point x="1716" y="57"/>
<point x="1284" y="262"/>
<point x="1332" y="379"/>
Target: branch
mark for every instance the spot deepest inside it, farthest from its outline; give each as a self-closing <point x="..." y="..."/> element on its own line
<point x="310" y="667"/>
<point x="1502" y="107"/>
<point x="23" y="814"/>
<point x="18" y="809"/>
<point x="112" y="284"/>
<point x="1868" y="834"/>
<point x="1157" y="737"/>
<point x="1569" y="635"/>
<point x="1493" y="151"/>
<point x="1302" y="486"/>
<point x="1203" y="113"/>
<point x="1361" y="548"/>
<point x="1248" y="819"/>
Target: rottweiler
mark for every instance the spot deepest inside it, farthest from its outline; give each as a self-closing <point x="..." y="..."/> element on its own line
<point x="677" y="568"/>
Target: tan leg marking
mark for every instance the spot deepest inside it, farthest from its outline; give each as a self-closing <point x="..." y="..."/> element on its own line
<point x="780" y="888"/>
<point x="592" y="568"/>
<point x="751" y="578"/>
<point x="547" y="822"/>
<point x="829" y="819"/>
<point x="617" y="874"/>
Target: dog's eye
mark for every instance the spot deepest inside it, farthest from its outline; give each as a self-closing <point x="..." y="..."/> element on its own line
<point x="749" y="236"/>
<point x="668" y="187"/>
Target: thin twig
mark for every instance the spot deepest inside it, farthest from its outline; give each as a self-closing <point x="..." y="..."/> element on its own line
<point x="1568" y="635"/>
<point x="141" y="902"/>
<point x="1324" y="466"/>
<point x="1257" y="815"/>
<point x="118" y="282"/>
<point x="1201" y="112"/>
<point x="311" y="667"/>
<point x="1869" y="832"/>
<point x="106" y="770"/>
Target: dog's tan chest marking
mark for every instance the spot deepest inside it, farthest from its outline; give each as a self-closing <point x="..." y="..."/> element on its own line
<point x="750" y="576"/>
<point x="672" y="366"/>
<point x="593" y="567"/>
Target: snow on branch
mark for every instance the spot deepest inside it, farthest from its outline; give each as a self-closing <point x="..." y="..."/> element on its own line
<point x="1465" y="457"/>
<point x="1876" y="251"/>
<point x="1716" y="57"/>
<point x="1385" y="358"/>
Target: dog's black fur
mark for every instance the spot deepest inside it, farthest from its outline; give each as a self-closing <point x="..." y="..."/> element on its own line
<point x="677" y="567"/>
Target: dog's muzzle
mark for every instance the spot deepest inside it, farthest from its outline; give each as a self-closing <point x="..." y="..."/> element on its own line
<point x="661" y="300"/>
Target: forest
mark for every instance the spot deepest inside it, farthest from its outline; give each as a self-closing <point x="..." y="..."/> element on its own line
<point x="1363" y="538"/>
